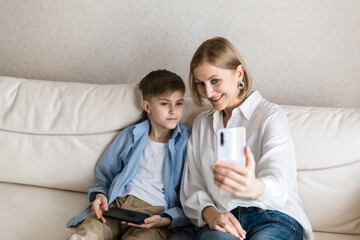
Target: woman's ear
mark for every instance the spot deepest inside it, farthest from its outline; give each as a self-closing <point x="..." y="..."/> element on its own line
<point x="240" y="71"/>
<point x="145" y="106"/>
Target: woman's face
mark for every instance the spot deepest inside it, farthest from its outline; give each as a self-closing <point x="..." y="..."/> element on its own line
<point x="218" y="85"/>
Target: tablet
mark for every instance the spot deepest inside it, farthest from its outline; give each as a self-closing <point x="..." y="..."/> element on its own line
<point x="126" y="215"/>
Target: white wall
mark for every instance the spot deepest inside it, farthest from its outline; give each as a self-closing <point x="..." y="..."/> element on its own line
<point x="298" y="52"/>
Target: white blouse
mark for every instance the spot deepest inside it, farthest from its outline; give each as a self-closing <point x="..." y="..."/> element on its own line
<point x="268" y="136"/>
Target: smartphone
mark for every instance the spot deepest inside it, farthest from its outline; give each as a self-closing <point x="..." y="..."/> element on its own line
<point x="126" y="215"/>
<point x="230" y="144"/>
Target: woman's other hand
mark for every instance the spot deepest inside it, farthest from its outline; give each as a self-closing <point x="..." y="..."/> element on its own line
<point x="238" y="180"/>
<point x="223" y="222"/>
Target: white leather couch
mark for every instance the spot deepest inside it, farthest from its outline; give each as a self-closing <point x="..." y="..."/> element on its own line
<point x="53" y="133"/>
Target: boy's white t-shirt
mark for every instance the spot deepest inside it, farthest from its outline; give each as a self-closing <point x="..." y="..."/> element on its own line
<point x="148" y="183"/>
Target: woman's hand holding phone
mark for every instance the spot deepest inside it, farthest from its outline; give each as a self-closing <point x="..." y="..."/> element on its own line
<point x="238" y="180"/>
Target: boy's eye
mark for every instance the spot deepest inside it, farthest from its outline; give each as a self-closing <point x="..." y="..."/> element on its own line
<point x="179" y="104"/>
<point x="164" y="103"/>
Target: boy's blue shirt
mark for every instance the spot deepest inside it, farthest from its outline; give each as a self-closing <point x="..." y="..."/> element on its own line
<point x="119" y="164"/>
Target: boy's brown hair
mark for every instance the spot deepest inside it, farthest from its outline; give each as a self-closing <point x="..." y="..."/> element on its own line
<point x="160" y="82"/>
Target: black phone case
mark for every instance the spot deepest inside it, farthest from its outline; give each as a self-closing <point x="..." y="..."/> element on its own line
<point x="126" y="215"/>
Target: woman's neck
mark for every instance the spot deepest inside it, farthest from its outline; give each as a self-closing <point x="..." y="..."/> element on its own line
<point x="226" y="117"/>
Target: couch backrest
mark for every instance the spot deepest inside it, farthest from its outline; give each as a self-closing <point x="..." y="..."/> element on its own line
<point x="52" y="134"/>
<point x="327" y="144"/>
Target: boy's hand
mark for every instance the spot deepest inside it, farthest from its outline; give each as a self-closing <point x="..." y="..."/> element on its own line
<point x="99" y="206"/>
<point x="152" y="222"/>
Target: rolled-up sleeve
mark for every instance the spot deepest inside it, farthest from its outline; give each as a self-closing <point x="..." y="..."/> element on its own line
<point x="178" y="217"/>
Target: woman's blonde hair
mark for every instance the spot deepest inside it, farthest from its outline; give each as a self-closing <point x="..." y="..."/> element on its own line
<point x="221" y="53"/>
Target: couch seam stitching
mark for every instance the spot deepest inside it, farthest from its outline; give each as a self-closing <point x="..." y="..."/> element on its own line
<point x="328" y="167"/>
<point x="58" y="134"/>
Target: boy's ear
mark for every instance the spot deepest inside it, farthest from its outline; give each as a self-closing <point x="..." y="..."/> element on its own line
<point x="145" y="106"/>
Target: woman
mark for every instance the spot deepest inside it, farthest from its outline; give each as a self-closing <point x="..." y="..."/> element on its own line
<point x="229" y="201"/>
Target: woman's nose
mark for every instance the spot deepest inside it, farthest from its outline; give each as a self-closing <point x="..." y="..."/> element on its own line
<point x="208" y="91"/>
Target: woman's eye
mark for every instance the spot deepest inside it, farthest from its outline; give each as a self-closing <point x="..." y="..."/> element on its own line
<point x="214" y="81"/>
<point x="200" y="84"/>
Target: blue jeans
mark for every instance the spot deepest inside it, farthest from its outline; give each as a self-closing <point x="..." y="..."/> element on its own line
<point x="259" y="224"/>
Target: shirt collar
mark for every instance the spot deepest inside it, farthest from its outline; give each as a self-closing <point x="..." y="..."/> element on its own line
<point x="250" y="104"/>
<point x="140" y="129"/>
<point x="176" y="132"/>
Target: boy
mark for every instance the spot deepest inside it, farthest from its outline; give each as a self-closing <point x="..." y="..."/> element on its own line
<point x="142" y="168"/>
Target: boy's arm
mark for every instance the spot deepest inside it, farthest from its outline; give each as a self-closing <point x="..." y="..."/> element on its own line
<point x="171" y="218"/>
<point x="178" y="218"/>
<point x="108" y="167"/>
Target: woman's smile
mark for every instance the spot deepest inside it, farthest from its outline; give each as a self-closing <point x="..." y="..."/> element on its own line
<point x="216" y="99"/>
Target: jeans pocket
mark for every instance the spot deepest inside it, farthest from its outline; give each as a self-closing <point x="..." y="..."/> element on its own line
<point x="282" y="218"/>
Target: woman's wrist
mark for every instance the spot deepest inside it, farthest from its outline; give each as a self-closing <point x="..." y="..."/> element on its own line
<point x="258" y="189"/>
<point x="208" y="211"/>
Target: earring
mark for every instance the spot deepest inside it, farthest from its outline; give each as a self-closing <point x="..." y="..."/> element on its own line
<point x="241" y="85"/>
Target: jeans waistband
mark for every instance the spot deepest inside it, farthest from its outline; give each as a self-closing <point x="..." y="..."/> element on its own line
<point x="248" y="209"/>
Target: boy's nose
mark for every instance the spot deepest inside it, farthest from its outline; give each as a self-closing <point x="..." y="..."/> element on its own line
<point x="172" y="109"/>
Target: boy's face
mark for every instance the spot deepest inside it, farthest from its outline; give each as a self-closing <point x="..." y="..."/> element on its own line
<point x="165" y="111"/>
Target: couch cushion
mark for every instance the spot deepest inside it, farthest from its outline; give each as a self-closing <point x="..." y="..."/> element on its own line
<point x="334" y="236"/>
<point x="53" y="133"/>
<point x="46" y="217"/>
<point x="36" y="212"/>
<point x="327" y="142"/>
